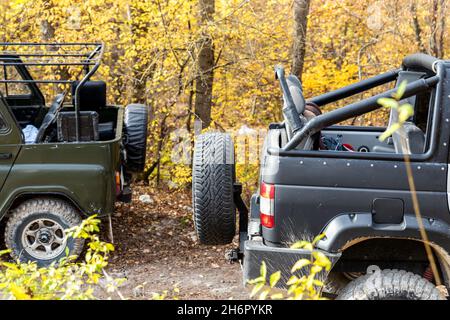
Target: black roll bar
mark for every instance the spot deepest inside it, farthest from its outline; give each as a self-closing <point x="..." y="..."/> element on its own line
<point x="355" y="88"/>
<point x="356" y="109"/>
<point x="420" y="60"/>
<point x="98" y="50"/>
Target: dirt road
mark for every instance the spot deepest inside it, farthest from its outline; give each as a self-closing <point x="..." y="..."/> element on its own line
<point x="156" y="250"/>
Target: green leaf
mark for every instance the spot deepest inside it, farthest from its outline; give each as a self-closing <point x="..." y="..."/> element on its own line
<point x="18" y="292"/>
<point x="3" y="252"/>
<point x="300" y="264"/>
<point x="394" y="127"/>
<point x="388" y="103"/>
<point x="276" y="296"/>
<point x="405" y="112"/>
<point x="401" y="90"/>
<point x="309" y="281"/>
<point x="301" y="245"/>
<point x="263" y="295"/>
<point x="256" y="289"/>
<point x="11" y="266"/>
<point x="292" y="280"/>
<point x="316" y="269"/>
<point x="318" y="238"/>
<point x="321" y="259"/>
<point x="263" y="270"/>
<point x="257" y="280"/>
<point x="318" y="283"/>
<point x="274" y="278"/>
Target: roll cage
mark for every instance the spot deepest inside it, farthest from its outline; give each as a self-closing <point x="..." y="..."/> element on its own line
<point x="84" y="56"/>
<point x="432" y="67"/>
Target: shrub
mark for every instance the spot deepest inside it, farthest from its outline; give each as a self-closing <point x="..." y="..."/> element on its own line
<point x="65" y="280"/>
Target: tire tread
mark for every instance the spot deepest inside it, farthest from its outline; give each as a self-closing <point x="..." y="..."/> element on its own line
<point x="212" y="189"/>
<point x="390" y="284"/>
<point x="57" y="206"/>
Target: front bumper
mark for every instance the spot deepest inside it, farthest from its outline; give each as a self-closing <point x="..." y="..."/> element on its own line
<point x="276" y="259"/>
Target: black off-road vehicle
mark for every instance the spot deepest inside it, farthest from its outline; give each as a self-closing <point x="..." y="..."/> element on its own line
<point x="64" y="160"/>
<point x="319" y="177"/>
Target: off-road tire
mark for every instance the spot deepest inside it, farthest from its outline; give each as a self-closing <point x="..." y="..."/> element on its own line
<point x="135" y="137"/>
<point x="390" y="285"/>
<point x="41" y="208"/>
<point x="335" y="283"/>
<point x="213" y="177"/>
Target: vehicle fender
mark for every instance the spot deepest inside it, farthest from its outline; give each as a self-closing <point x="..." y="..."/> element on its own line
<point x="22" y="194"/>
<point x="346" y="230"/>
<point x="61" y="192"/>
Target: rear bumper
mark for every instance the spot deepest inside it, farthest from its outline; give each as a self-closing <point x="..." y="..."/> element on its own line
<point x="276" y="259"/>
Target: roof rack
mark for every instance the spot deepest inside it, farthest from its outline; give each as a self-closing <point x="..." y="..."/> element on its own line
<point x="85" y="55"/>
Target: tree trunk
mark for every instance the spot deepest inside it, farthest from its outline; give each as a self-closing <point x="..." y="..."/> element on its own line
<point x="434" y="28"/>
<point x="442" y="18"/>
<point x="416" y="26"/>
<point x="140" y="73"/>
<point x="205" y="65"/>
<point x="301" y="11"/>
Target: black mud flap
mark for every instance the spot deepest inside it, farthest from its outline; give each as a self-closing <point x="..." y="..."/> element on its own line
<point x="236" y="255"/>
<point x="126" y="195"/>
<point x="276" y="259"/>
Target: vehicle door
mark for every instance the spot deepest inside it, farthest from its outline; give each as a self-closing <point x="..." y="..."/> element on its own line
<point x="10" y="140"/>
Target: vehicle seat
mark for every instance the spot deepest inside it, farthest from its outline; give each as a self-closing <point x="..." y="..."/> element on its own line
<point x="49" y="117"/>
<point x="93" y="98"/>
<point x="106" y="131"/>
<point x="92" y="95"/>
<point x="409" y="139"/>
<point x="415" y="138"/>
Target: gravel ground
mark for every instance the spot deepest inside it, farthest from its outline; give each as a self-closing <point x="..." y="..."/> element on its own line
<point x="157" y="251"/>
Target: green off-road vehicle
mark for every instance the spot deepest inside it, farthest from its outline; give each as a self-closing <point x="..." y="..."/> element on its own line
<point x="321" y="177"/>
<point x="64" y="160"/>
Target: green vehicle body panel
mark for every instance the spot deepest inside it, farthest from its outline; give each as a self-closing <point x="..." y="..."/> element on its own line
<point x="82" y="172"/>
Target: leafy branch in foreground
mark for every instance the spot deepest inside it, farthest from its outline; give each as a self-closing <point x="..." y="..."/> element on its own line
<point x="308" y="286"/>
<point x="405" y="111"/>
<point x="67" y="279"/>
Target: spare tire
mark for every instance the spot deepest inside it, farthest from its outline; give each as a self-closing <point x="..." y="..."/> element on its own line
<point x="135" y="137"/>
<point x="213" y="177"/>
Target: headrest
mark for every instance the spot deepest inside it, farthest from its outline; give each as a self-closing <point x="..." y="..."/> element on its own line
<point x="295" y="87"/>
<point x="92" y="95"/>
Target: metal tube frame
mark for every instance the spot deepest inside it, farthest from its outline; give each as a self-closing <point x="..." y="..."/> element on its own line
<point x="90" y="61"/>
<point x="359" y="108"/>
<point x="356" y="109"/>
<point x="355" y="88"/>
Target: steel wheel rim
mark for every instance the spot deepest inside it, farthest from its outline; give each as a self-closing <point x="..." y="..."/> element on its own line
<point x="44" y="239"/>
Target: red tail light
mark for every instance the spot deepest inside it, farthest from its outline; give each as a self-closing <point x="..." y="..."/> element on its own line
<point x="267" y="204"/>
<point x="118" y="183"/>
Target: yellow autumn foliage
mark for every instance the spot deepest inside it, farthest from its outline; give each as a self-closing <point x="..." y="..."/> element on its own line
<point x="151" y="49"/>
